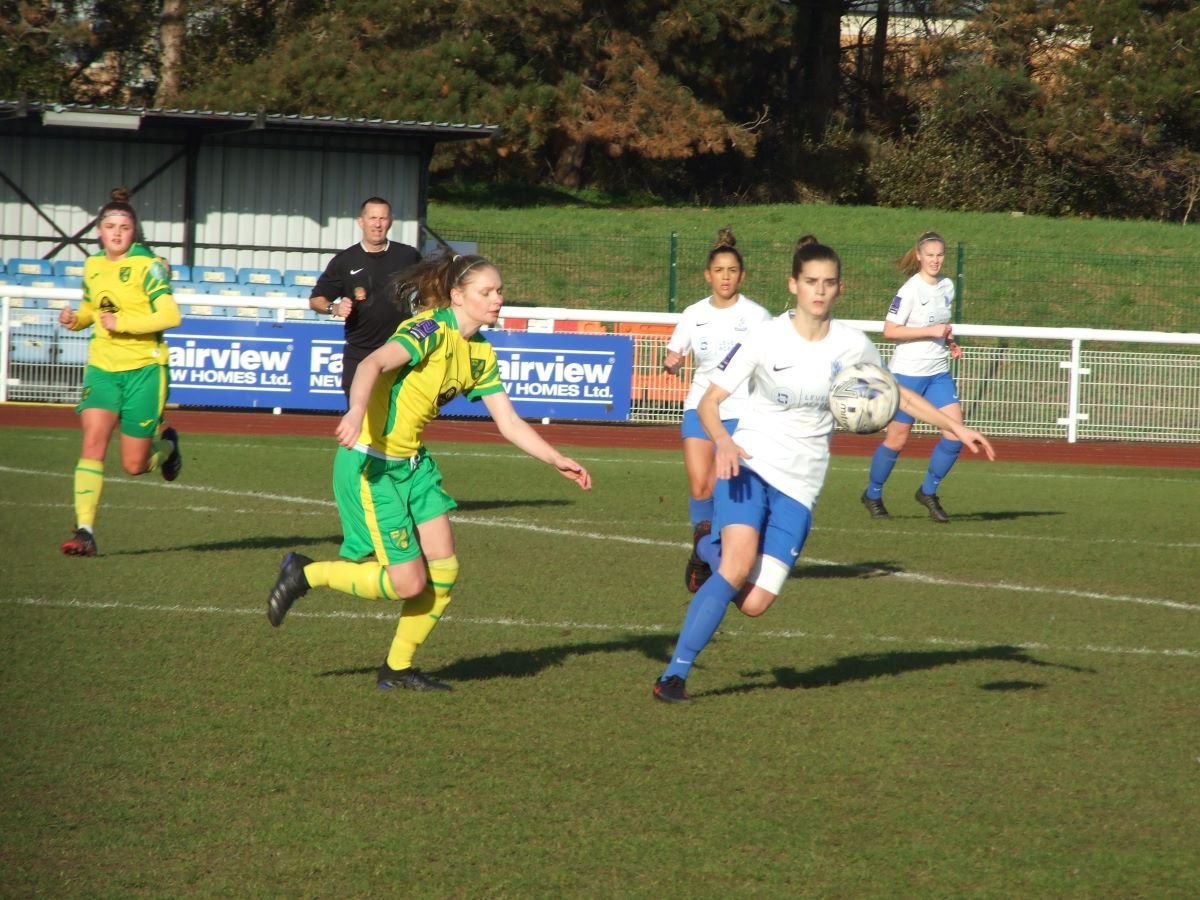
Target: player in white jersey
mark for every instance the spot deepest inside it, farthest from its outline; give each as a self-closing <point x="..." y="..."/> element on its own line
<point x="919" y="322"/>
<point x="771" y="469"/>
<point x="708" y="330"/>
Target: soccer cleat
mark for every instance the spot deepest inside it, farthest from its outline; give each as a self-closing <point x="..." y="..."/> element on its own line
<point x="875" y="508"/>
<point x="931" y="503"/>
<point x="82" y="544"/>
<point x="289" y="587"/>
<point x="671" y="689"/>
<point x="697" y="570"/>
<point x="410" y="679"/>
<point x="174" y="462"/>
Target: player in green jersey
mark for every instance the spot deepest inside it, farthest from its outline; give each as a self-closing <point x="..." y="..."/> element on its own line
<point x="127" y="300"/>
<point x="397" y="541"/>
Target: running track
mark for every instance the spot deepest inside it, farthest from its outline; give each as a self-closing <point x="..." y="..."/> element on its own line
<point x="656" y="437"/>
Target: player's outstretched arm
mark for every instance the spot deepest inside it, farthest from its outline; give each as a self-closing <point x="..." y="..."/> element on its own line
<point x="920" y="408"/>
<point x="387" y="358"/>
<point x="521" y="435"/>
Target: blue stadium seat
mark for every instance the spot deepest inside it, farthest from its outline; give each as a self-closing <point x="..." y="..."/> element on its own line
<point x="214" y="275"/>
<point x="69" y="281"/>
<point x="20" y="265"/>
<point x="234" y="290"/>
<point x="181" y="273"/>
<point x="259" y="276"/>
<point x="30" y="344"/>
<point x="42" y="281"/>
<point x="70" y="267"/>
<point x="301" y="278"/>
<point x="71" y="350"/>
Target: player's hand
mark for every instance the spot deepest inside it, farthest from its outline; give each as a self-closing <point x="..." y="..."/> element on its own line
<point x="343" y="307"/>
<point x="67" y="317"/>
<point x="573" y="470"/>
<point x="975" y="440"/>
<point x="108" y="320"/>
<point x="672" y="362"/>
<point x="728" y="459"/>
<point x="348" y="429"/>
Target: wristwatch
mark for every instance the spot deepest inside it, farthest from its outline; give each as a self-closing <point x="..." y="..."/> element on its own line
<point x="330" y="308"/>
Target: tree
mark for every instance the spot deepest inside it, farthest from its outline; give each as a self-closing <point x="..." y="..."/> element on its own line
<point x="1100" y="93"/>
<point x="568" y="81"/>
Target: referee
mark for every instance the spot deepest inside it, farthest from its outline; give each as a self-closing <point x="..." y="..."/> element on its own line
<point x="353" y="286"/>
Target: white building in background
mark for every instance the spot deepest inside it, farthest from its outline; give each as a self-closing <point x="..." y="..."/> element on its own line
<point x="211" y="188"/>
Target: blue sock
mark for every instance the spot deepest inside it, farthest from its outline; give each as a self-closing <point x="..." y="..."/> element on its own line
<point x="700" y="510"/>
<point x="941" y="461"/>
<point x="703" y="618"/>
<point x="709" y="551"/>
<point x="882" y="464"/>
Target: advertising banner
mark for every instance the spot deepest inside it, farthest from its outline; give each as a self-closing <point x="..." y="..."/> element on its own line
<point x="298" y="366"/>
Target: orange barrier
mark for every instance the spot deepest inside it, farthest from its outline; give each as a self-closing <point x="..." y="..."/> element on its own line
<point x="580" y="327"/>
<point x="645" y="329"/>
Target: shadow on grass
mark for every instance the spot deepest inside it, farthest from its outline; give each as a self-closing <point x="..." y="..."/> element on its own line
<point x="527" y="663"/>
<point x="870" y="569"/>
<point x="257" y="542"/>
<point x="867" y="666"/>
<point x="1012" y="686"/>
<point x="987" y="516"/>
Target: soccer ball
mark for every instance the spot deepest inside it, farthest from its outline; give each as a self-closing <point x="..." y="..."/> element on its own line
<point x="863" y="398"/>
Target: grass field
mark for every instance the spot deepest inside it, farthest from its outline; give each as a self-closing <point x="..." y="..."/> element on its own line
<point x="1002" y="707"/>
<point x="1018" y="270"/>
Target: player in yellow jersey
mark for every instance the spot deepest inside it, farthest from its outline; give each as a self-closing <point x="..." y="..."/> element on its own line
<point x="128" y="303"/>
<point x="397" y="543"/>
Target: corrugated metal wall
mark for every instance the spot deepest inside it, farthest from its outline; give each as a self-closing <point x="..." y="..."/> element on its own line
<point x="248" y="199"/>
<point x="70" y="180"/>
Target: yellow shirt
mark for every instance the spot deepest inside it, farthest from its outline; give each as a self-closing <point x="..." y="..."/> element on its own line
<point x="444" y="364"/>
<point x="138" y="290"/>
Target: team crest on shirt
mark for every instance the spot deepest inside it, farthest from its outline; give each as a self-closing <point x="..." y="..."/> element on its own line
<point x="400" y="538"/>
<point x="125" y="272"/>
<point x="477" y="367"/>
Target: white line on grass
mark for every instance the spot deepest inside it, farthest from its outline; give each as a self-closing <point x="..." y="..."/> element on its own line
<point x="390" y="610"/>
<point x="516" y="524"/>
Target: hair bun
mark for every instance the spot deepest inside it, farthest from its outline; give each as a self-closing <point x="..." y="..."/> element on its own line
<point x="119" y="194"/>
<point x="725" y="238"/>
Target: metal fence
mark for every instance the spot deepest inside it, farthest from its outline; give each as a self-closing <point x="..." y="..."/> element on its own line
<point x="1059" y="384"/>
<point x="1054" y="290"/>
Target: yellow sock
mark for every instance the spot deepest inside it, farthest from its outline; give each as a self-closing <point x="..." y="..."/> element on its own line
<point x="421" y="613"/>
<point x="89" y="484"/>
<point x="160" y="451"/>
<point x="366" y="579"/>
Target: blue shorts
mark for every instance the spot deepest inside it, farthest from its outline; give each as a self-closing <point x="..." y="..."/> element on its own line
<point x="938" y="389"/>
<point x="782" y="522"/>
<point x="693" y="429"/>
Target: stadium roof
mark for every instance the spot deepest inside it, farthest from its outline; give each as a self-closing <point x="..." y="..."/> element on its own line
<point x="34" y="115"/>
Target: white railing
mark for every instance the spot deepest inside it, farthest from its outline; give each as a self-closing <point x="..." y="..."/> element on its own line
<point x="1060" y="383"/>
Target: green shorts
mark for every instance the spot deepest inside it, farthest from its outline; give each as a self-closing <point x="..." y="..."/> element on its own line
<point x="137" y="396"/>
<point x="381" y="502"/>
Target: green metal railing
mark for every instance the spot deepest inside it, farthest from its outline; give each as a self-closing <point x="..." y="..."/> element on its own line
<point x="1142" y="293"/>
